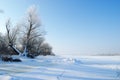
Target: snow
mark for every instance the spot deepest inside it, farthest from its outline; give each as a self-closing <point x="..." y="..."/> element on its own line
<point x="62" y="68"/>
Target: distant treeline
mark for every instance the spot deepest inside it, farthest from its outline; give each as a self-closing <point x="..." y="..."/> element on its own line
<point x="109" y="54"/>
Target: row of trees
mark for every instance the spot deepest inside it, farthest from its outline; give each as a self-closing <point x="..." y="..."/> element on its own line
<point x="26" y="38"/>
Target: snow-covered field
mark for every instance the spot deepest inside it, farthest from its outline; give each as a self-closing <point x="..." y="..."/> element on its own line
<point x="62" y="68"/>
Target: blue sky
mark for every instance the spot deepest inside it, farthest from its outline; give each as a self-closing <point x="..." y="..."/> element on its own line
<point x="73" y="26"/>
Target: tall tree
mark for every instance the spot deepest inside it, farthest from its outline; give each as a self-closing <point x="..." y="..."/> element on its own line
<point x="32" y="30"/>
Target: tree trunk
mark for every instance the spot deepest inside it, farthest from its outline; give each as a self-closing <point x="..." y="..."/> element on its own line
<point x="16" y="50"/>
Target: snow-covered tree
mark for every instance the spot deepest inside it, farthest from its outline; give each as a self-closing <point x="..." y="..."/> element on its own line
<point x="32" y="30"/>
<point x="28" y="35"/>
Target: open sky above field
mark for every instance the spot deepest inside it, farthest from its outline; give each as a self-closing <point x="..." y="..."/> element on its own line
<point x="72" y="26"/>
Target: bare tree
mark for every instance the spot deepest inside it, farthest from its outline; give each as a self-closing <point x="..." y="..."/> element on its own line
<point x="12" y="36"/>
<point x="31" y="29"/>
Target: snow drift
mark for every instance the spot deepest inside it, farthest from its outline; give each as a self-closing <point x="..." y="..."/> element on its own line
<point x="62" y="68"/>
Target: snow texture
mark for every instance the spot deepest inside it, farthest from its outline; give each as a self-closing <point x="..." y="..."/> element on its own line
<point x="62" y="68"/>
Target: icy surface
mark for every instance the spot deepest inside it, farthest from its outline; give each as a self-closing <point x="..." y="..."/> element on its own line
<point x="62" y="68"/>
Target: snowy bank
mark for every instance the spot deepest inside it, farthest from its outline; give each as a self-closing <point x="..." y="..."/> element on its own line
<point x="62" y="68"/>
